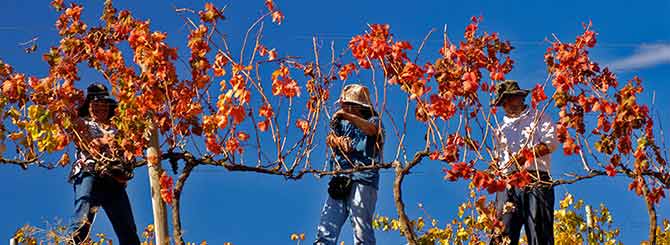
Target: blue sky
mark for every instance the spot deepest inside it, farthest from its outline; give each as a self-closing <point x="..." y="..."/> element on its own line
<point x="246" y="208"/>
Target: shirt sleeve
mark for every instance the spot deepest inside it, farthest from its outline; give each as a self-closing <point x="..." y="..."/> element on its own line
<point x="377" y="122"/>
<point x="497" y="153"/>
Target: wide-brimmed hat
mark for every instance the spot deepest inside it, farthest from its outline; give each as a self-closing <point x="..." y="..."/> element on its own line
<point x="507" y="88"/>
<point x="96" y="92"/>
<point x="355" y="94"/>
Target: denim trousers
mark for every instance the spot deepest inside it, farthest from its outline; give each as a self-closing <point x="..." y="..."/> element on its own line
<point x="92" y="192"/>
<point x="533" y="209"/>
<point x="359" y="207"/>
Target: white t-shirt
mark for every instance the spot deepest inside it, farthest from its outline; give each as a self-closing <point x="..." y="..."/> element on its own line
<point x="527" y="130"/>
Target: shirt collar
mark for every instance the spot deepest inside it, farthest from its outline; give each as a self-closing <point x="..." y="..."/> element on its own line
<point x="508" y="120"/>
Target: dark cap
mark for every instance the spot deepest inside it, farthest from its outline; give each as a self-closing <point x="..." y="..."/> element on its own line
<point x="96" y="92"/>
<point x="507" y="88"/>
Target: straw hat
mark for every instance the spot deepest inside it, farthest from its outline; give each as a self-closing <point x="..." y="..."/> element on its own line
<point x="355" y="94"/>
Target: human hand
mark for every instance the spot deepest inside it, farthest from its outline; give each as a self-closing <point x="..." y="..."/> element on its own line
<point x="339" y="142"/>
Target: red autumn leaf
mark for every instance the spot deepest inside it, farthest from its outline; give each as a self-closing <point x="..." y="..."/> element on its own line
<point x="212" y="145"/>
<point x="232" y="145"/>
<point x="495" y="186"/>
<point x="57" y="4"/>
<point x="433" y="155"/>
<point x="302" y="125"/>
<point x="450" y="175"/>
<point x="610" y="169"/>
<point x="263" y="125"/>
<point x="266" y="111"/>
<point x="610" y="108"/>
<point x="243" y="136"/>
<point x="62" y="141"/>
<point x="238" y="113"/>
<point x="603" y="124"/>
<point x="470" y="84"/>
<point x="519" y="179"/>
<point x="528" y="155"/>
<point x="291" y="89"/>
<point x="277" y="17"/>
<point x="441" y="107"/>
<point x="64" y="160"/>
<point x="272" y="55"/>
<point x="262" y="50"/>
<point x="497" y="76"/>
<point x="637" y="186"/>
<point x="480" y="179"/>
<point x="210" y="14"/>
<point x="640" y="154"/>
<point x="537" y="95"/>
<point x="589" y="38"/>
<point x="459" y="170"/>
<point x="655" y="195"/>
<point x="270" y="5"/>
<point x="277" y="87"/>
<point x="569" y="146"/>
<point x="14" y="88"/>
<point x="345" y="71"/>
<point x="166" y="188"/>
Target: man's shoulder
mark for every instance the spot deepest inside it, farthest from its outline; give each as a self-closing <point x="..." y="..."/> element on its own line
<point x="539" y="115"/>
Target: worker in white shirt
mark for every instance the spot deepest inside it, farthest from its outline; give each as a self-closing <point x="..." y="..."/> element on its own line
<point x="533" y="205"/>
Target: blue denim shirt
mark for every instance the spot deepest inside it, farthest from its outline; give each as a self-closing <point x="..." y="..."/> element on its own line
<point x="364" y="151"/>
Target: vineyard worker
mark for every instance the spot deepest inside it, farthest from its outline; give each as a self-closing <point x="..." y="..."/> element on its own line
<point x="356" y="139"/>
<point x="98" y="176"/>
<point x="522" y="127"/>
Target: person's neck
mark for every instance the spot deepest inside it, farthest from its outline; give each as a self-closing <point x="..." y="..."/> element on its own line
<point x="102" y="122"/>
<point x="517" y="113"/>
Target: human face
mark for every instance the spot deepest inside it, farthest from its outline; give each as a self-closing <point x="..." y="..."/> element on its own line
<point x="514" y="105"/>
<point x="99" y="110"/>
<point x="349" y="107"/>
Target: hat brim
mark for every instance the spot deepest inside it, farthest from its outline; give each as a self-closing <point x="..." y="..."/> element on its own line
<point x="106" y="99"/>
<point x="340" y="102"/>
<point x="83" y="109"/>
<point x="498" y="101"/>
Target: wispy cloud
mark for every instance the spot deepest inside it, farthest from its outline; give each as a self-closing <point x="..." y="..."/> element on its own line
<point x="646" y="55"/>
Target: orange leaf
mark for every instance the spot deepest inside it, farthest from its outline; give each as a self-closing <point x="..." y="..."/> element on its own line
<point x="266" y="111"/>
<point x="538" y="95"/>
<point x="64" y="160"/>
<point x="212" y="145"/>
<point x="263" y="126"/>
<point x="243" y="136"/>
<point x="272" y="55"/>
<point x="166" y="188"/>
<point x="277" y="17"/>
<point x="16" y="136"/>
<point x="302" y="125"/>
<point x="270" y="5"/>
<point x="345" y="71"/>
<point x="232" y="145"/>
<point x="238" y="114"/>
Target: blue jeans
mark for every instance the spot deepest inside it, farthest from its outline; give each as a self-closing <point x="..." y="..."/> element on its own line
<point x="359" y="207"/>
<point x="533" y="209"/>
<point x="92" y="192"/>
